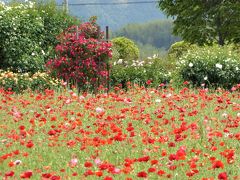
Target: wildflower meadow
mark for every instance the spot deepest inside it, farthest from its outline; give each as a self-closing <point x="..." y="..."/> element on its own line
<point x="141" y="133"/>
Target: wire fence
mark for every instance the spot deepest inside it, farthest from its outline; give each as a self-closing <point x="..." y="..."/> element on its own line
<point x="108" y="3"/>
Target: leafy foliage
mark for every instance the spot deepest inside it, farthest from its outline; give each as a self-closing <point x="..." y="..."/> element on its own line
<point x="204" y="22"/>
<point x="210" y="66"/>
<point x="28" y="33"/>
<point x="125" y="49"/>
<point x="179" y="48"/>
<point x="81" y="56"/>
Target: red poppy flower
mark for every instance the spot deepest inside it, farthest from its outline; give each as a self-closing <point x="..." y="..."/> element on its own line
<point x="99" y="173"/>
<point x="9" y="174"/>
<point x="88" y="164"/>
<point x="161" y="172"/>
<point x="142" y="174"/>
<point x="46" y="175"/>
<point x="29" y="144"/>
<point x="26" y="174"/>
<point x="223" y="176"/>
<point x="108" y="178"/>
<point x="151" y="170"/>
<point x="217" y="164"/>
<point x="144" y="159"/>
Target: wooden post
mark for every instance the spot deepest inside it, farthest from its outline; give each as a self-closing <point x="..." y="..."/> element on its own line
<point x="108" y="68"/>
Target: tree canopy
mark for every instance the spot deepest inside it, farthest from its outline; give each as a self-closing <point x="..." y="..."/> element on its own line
<point x="204" y="21"/>
<point x="156" y="33"/>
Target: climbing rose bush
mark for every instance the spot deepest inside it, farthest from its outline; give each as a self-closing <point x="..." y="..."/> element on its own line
<point x="82" y="56"/>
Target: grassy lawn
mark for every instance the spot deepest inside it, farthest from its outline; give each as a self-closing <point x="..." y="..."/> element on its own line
<point x="142" y="133"/>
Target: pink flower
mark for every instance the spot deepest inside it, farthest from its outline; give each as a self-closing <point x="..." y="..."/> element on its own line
<point x="99" y="110"/>
<point x="17" y="162"/>
<point x="97" y="161"/>
<point x="73" y="162"/>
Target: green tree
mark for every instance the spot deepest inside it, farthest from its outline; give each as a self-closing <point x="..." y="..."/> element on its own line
<point x="204" y="21"/>
<point x="157" y="33"/>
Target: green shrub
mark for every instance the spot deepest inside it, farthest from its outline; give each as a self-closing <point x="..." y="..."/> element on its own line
<point x="211" y="66"/>
<point x="27" y="35"/>
<point x="179" y="48"/>
<point x="139" y="72"/>
<point x="18" y="82"/>
<point x="124" y="48"/>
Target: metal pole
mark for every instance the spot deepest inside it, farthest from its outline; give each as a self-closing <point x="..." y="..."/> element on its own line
<point x="107" y="33"/>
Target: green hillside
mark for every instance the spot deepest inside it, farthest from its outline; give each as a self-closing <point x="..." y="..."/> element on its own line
<point x="115" y="16"/>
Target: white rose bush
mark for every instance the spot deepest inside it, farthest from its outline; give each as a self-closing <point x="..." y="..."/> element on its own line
<point x="211" y="66"/>
<point x="28" y="34"/>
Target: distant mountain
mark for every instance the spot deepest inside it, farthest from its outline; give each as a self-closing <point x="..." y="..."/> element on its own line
<point x="115" y="16"/>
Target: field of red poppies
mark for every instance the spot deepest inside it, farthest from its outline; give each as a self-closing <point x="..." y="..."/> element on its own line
<point x="141" y="133"/>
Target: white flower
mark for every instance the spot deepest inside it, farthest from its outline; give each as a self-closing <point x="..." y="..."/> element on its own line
<point x="99" y="110"/>
<point x="237" y="68"/>
<point x="158" y="100"/>
<point x="169" y="95"/>
<point x="74" y="95"/>
<point x="238" y="114"/>
<point x="33" y="54"/>
<point x="68" y="101"/>
<point x="134" y="64"/>
<point x="190" y="65"/>
<point x="155" y="56"/>
<point x="225" y="115"/>
<point x="120" y="61"/>
<point x="43" y="52"/>
<point x="218" y="66"/>
<point x="205" y="78"/>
